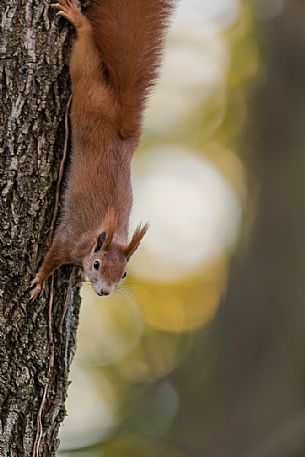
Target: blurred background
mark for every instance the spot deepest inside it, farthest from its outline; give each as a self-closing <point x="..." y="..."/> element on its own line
<point x="201" y="353"/>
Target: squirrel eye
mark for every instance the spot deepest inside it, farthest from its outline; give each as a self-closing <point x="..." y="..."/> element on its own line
<point x="124" y="275"/>
<point x="96" y="265"/>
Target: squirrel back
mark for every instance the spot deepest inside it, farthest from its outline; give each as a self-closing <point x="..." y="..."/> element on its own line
<point x="114" y="62"/>
<point x="129" y="35"/>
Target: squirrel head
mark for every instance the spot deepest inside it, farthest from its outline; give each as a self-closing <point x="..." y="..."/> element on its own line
<point x="106" y="265"/>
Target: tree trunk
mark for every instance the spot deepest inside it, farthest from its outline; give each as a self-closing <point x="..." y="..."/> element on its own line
<point x="37" y="339"/>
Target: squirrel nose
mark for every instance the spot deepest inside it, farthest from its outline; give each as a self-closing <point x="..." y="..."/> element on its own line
<point x="104" y="292"/>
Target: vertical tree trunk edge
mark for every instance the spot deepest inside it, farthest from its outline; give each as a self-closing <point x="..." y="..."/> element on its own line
<point x="37" y="339"/>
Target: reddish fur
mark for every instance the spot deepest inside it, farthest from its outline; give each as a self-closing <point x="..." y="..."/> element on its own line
<point x="114" y="62"/>
<point x="135" y="240"/>
<point x="129" y="35"/>
<point x="110" y="225"/>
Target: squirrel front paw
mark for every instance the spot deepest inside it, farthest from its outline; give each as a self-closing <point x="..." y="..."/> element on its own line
<point x="70" y="11"/>
<point x="38" y="283"/>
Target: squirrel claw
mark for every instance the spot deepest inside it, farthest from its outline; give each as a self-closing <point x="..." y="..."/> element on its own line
<point x="35" y="293"/>
<point x="37" y="290"/>
<point x="70" y="11"/>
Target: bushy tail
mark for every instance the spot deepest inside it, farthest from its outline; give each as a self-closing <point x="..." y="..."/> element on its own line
<point x="129" y="35"/>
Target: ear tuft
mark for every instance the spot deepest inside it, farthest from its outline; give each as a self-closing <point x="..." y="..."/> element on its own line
<point x="135" y="240"/>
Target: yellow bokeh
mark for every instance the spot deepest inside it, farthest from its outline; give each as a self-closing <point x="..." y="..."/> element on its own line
<point x="154" y="357"/>
<point x="184" y="305"/>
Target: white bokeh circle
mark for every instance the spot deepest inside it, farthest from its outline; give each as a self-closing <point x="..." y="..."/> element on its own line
<point x="92" y="410"/>
<point x="194" y="212"/>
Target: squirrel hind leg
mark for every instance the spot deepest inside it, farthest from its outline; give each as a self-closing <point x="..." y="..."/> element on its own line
<point x="70" y="11"/>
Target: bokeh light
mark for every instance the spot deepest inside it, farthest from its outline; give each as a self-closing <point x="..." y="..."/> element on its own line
<point x="92" y="406"/>
<point x="194" y="213"/>
<point x="106" y="333"/>
<point x="189" y="183"/>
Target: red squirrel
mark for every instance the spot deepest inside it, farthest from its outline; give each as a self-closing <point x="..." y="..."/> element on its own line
<point x="114" y="62"/>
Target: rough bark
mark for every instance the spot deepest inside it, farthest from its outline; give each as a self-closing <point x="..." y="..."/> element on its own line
<point x="37" y="339"/>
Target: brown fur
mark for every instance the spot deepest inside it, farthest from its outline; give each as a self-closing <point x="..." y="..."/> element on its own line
<point x="135" y="240"/>
<point x="114" y="62"/>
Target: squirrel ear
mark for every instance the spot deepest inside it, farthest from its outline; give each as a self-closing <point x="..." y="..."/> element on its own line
<point x="135" y="240"/>
<point x="100" y="241"/>
<point x="105" y="238"/>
